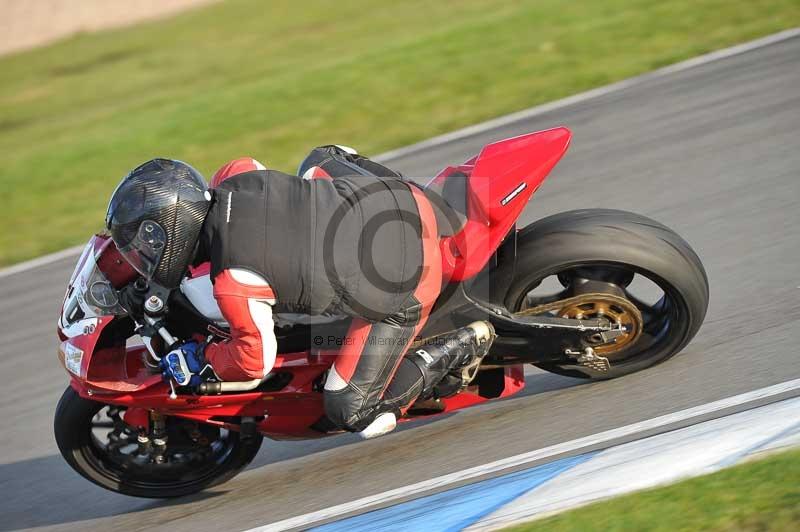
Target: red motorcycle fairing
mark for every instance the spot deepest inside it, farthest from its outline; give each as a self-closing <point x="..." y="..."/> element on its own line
<point x="500" y="181"/>
<point x="117" y="375"/>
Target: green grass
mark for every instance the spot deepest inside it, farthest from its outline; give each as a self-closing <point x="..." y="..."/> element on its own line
<point x="755" y="496"/>
<point x="272" y="79"/>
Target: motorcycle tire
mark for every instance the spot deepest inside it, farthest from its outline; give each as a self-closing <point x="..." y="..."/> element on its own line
<point x="605" y="240"/>
<point x="73" y="427"/>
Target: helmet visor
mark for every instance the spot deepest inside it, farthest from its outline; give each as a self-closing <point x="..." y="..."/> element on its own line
<point x="145" y="250"/>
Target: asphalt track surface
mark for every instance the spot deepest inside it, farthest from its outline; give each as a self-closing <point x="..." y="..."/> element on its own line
<point x="713" y="152"/>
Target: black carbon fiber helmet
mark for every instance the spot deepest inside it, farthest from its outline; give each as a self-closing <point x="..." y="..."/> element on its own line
<point x="155" y="216"/>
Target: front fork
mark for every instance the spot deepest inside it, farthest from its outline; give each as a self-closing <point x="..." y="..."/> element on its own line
<point x="151" y="427"/>
<point x="159" y="437"/>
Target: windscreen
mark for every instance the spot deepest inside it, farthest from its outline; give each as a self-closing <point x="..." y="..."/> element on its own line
<point x="90" y="294"/>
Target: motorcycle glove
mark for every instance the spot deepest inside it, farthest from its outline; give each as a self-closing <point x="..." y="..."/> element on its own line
<point x="185" y="365"/>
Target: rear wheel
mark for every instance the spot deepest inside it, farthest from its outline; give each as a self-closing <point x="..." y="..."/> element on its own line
<point x="619" y="267"/>
<point x="96" y="442"/>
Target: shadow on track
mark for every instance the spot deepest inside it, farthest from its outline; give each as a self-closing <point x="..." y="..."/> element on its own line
<point x="537" y="382"/>
<point x="44" y="491"/>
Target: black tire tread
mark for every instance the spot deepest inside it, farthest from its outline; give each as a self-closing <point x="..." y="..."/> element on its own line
<point x="69" y="422"/>
<point x="612" y="236"/>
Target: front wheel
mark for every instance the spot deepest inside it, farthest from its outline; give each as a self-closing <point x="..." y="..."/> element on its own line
<point x="96" y="442"/>
<point x="616" y="266"/>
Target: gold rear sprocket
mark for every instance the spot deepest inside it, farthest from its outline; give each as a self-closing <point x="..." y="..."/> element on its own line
<point x="597" y="306"/>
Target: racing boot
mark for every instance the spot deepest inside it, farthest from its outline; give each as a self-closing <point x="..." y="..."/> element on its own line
<point x="448" y="363"/>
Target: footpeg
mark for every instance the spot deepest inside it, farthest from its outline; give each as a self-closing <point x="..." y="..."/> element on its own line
<point x="589" y="359"/>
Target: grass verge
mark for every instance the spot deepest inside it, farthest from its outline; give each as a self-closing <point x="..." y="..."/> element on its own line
<point x="271" y="80"/>
<point x="762" y="495"/>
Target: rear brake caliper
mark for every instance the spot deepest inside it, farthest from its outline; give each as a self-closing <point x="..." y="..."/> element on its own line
<point x="589" y="359"/>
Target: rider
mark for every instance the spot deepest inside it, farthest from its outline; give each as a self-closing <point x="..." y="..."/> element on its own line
<point x="279" y="243"/>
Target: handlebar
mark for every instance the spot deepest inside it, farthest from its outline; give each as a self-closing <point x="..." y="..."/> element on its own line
<point x="161" y="330"/>
<point x="153" y="310"/>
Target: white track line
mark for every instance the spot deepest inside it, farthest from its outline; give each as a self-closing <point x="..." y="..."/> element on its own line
<point x="44" y="260"/>
<point x="366" y="503"/>
<point x="656" y="461"/>
<point x="502" y="121"/>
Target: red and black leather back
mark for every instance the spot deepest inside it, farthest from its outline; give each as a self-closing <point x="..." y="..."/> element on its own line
<point x="350" y="245"/>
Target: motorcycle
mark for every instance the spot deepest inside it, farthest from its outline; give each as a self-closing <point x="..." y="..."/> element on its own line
<point x="593" y="293"/>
